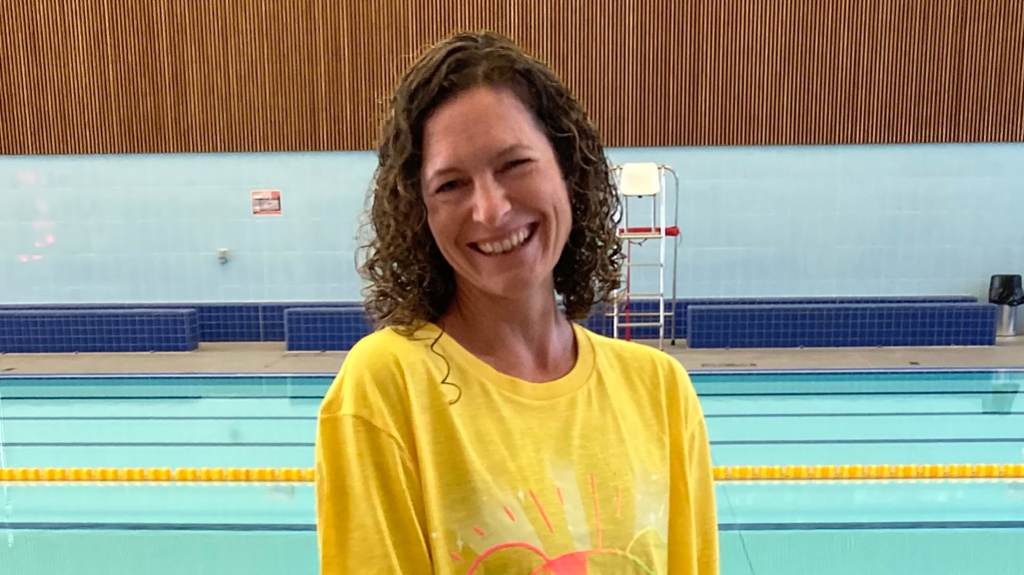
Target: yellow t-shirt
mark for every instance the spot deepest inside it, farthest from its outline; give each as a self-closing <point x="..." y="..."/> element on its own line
<point x="604" y="471"/>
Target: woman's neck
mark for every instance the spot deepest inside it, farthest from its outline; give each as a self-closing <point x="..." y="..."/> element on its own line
<point x="528" y="338"/>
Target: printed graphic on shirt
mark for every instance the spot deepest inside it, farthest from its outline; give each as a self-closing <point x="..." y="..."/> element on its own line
<point x="570" y="528"/>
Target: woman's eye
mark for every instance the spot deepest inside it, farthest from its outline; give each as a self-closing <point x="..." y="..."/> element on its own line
<point x="517" y="163"/>
<point x="447" y="186"/>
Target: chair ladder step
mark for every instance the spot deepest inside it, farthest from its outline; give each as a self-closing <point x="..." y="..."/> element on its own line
<point x="640" y="324"/>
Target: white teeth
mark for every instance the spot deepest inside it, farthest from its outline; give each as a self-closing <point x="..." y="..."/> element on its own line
<point x="506" y="245"/>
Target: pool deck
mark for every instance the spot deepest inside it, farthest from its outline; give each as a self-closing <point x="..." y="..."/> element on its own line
<point x="273" y="358"/>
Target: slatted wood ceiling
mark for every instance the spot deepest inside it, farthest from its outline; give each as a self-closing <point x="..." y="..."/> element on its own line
<point x="122" y="76"/>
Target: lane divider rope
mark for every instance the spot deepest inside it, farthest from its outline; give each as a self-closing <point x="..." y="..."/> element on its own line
<point x="854" y="472"/>
<point x="730" y="473"/>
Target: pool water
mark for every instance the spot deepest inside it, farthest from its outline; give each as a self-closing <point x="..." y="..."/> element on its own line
<point x="767" y="528"/>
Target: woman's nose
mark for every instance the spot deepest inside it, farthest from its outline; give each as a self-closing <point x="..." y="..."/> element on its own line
<point x="490" y="202"/>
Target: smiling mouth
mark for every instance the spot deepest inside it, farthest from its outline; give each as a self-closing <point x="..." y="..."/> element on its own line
<point x="507" y="245"/>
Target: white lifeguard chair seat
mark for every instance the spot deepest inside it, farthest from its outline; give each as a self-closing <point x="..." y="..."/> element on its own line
<point x="640" y="179"/>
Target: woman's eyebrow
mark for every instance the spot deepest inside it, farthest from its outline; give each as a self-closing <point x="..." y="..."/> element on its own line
<point x="511" y="149"/>
<point x="441" y="172"/>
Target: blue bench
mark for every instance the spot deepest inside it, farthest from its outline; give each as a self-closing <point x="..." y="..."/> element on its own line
<point x="846" y="325"/>
<point x="228" y="321"/>
<point x="98" y="330"/>
<point x="603" y="325"/>
<point x="324" y="328"/>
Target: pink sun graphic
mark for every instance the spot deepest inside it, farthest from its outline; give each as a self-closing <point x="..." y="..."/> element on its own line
<point x="597" y="561"/>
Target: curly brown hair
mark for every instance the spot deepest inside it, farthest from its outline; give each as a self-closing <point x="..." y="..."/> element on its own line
<point x="409" y="280"/>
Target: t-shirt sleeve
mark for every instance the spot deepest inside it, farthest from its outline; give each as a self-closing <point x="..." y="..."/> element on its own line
<point x="694" y="515"/>
<point x="370" y="516"/>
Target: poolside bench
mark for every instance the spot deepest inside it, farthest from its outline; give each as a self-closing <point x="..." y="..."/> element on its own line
<point x="603" y="325"/>
<point x="846" y="325"/>
<point x="98" y="330"/>
<point x="324" y="328"/>
<point x="218" y="321"/>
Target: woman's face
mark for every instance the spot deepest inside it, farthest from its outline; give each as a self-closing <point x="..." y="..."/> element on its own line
<point x="497" y="204"/>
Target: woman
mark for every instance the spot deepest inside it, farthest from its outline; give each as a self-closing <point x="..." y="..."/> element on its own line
<point x="479" y="430"/>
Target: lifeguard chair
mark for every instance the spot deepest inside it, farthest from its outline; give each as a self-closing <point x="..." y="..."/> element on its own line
<point x="640" y="184"/>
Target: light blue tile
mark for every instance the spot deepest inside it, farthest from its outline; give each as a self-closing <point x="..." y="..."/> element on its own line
<point x="757" y="221"/>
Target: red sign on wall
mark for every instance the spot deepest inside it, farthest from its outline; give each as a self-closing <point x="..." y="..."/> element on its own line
<point x="266" y="203"/>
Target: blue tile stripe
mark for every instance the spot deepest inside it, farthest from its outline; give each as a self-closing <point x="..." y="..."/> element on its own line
<point x="232" y="444"/>
<point x="274" y="527"/>
<point x="872" y="525"/>
<point x="124" y="526"/>
<point x="228" y="321"/>
<point x="682" y="317"/>
<point x="324" y="329"/>
<point x="845" y="325"/>
<point x="98" y="330"/>
<point x="599" y="323"/>
<point x="265" y="321"/>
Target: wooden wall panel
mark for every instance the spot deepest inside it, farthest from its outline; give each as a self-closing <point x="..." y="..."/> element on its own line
<point x="122" y="76"/>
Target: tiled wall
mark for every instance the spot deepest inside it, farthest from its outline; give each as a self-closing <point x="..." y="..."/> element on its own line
<point x="147" y="228"/>
<point x="778" y="221"/>
<point x="871" y="220"/>
<point x="216" y="321"/>
<point x="125" y="330"/>
<point x="606" y="325"/>
<point x="766" y="322"/>
<point x="851" y="325"/>
<point x="324" y="329"/>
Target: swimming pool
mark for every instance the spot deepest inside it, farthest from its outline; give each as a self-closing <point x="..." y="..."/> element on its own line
<point x="768" y="528"/>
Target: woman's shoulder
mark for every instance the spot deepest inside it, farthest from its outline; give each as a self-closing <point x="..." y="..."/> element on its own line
<point x="632" y="355"/>
<point x="390" y="344"/>
<point x="635" y="366"/>
<point x="646" y="375"/>
<point x="379" y="366"/>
